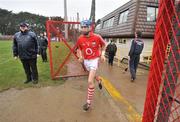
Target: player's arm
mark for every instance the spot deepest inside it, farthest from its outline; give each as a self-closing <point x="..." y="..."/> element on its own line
<point x="79" y="52"/>
<point x="103" y="49"/>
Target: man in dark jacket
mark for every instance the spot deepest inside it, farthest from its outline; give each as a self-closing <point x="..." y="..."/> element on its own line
<point x="111" y="49"/>
<point x="137" y="46"/>
<point x="25" y="47"/>
<point x="43" y="43"/>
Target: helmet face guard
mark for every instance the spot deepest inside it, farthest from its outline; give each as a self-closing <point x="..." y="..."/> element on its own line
<point x="85" y="26"/>
<point x="86" y="23"/>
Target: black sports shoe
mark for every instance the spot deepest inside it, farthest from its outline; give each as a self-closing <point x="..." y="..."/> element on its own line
<point x="27" y="81"/>
<point x="86" y="107"/>
<point x="100" y="85"/>
<point x="35" y="81"/>
<point x="132" y="79"/>
<point x="99" y="80"/>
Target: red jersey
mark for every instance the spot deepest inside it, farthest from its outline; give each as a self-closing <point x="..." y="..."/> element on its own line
<point x="90" y="46"/>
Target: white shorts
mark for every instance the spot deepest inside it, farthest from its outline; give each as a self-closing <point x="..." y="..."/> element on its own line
<point x="91" y="64"/>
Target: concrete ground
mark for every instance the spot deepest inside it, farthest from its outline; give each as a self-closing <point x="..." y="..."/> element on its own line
<point x="64" y="103"/>
<point x="132" y="93"/>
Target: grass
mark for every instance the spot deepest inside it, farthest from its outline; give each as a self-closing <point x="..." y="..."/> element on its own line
<point x="12" y="74"/>
<point x="59" y="55"/>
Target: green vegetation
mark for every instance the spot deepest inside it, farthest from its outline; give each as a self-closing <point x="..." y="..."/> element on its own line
<point x="9" y="21"/>
<point x="12" y="74"/>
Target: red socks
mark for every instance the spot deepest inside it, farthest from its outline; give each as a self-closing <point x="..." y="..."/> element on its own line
<point x="90" y="95"/>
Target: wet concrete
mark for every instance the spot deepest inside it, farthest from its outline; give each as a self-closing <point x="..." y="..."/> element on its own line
<point x="133" y="92"/>
<point x="64" y="103"/>
<point x="55" y="104"/>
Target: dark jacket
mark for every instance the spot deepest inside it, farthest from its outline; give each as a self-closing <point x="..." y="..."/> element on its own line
<point x="43" y="42"/>
<point x="25" y="45"/>
<point x="111" y="49"/>
<point x="137" y="46"/>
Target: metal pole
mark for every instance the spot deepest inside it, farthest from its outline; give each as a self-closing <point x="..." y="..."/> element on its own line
<point x="65" y="19"/>
<point x="93" y="8"/>
<point x="78" y="21"/>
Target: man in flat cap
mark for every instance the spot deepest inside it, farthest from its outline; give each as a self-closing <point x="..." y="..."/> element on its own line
<point x="25" y="47"/>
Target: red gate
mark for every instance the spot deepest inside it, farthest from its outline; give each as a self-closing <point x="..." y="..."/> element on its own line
<point x="62" y="49"/>
<point x="163" y="91"/>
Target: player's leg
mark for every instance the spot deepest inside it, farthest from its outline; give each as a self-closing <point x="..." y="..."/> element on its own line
<point x="91" y="89"/>
<point x="98" y="79"/>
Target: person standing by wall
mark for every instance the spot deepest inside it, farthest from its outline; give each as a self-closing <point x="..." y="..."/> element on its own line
<point x="91" y="48"/>
<point x="25" y="47"/>
<point x="111" y="49"/>
<point x="137" y="46"/>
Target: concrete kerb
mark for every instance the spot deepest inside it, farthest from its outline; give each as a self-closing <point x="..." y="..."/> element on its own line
<point x="114" y="96"/>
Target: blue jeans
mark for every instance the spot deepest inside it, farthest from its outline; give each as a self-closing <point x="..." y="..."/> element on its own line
<point x="133" y="64"/>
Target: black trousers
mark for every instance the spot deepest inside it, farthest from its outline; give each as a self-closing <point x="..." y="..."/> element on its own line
<point x="43" y="54"/>
<point x="111" y="58"/>
<point x="133" y="64"/>
<point x="30" y="68"/>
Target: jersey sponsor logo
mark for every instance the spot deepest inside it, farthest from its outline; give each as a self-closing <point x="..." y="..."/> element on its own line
<point x="89" y="51"/>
